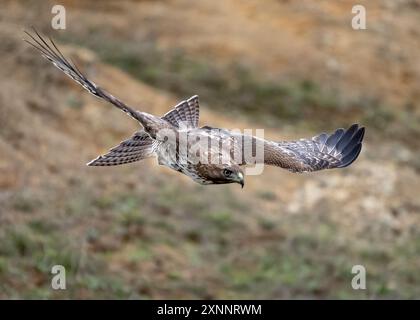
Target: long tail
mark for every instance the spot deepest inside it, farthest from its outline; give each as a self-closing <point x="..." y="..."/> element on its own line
<point x="51" y="52"/>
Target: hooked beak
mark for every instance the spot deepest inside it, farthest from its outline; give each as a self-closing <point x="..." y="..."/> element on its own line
<point x="241" y="179"/>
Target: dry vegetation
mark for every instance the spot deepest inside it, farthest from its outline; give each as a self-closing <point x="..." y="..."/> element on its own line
<point x="141" y="231"/>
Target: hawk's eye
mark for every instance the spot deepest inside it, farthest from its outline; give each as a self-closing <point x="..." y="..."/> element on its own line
<point x="227" y="172"/>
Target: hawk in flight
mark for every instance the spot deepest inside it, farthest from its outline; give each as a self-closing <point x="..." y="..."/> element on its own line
<point x="208" y="155"/>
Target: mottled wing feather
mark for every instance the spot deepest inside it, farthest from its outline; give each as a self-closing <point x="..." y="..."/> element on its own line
<point x="138" y="147"/>
<point x="186" y="113"/>
<point x="337" y="150"/>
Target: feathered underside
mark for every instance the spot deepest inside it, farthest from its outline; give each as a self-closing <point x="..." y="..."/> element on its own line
<point x="138" y="147"/>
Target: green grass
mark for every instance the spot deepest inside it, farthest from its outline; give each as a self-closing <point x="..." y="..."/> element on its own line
<point x="240" y="90"/>
<point x="243" y="92"/>
<point x="234" y="88"/>
<point x="158" y="253"/>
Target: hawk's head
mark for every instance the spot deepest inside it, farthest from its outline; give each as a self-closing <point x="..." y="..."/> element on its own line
<point x="222" y="174"/>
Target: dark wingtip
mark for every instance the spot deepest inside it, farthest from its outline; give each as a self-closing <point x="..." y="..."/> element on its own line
<point x="353" y="146"/>
<point x="351" y="157"/>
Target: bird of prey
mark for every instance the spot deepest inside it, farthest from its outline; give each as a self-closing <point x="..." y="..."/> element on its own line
<point x="205" y="154"/>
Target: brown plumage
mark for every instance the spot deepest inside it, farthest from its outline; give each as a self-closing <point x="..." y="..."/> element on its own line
<point x="207" y="155"/>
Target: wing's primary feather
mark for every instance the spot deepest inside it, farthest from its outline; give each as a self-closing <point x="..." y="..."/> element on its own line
<point x="337" y="150"/>
<point x="51" y="52"/>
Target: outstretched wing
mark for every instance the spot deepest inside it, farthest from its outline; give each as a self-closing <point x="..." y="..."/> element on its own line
<point x="54" y="55"/>
<point x="324" y="151"/>
<point x="138" y="147"/>
<point x="186" y="113"/>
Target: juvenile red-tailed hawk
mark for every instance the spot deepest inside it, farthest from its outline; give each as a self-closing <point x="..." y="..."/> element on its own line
<point x="208" y="155"/>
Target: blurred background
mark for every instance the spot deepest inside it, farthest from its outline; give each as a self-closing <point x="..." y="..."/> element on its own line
<point x="295" y="68"/>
